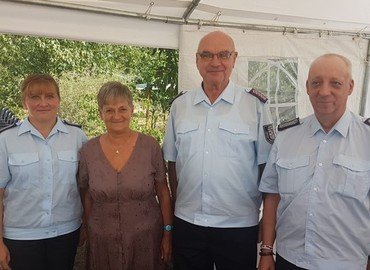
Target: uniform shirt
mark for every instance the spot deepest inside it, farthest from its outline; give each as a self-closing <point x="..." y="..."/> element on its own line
<point x="323" y="218"/>
<point x="41" y="198"/>
<point x="217" y="148"/>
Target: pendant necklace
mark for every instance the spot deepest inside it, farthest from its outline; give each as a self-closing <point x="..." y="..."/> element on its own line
<point x="117" y="152"/>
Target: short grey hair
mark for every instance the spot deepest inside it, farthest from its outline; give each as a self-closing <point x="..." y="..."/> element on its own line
<point x="346" y="61"/>
<point x="112" y="90"/>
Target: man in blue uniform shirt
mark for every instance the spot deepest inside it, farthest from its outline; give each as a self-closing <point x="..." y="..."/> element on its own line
<point x="216" y="137"/>
<point x="317" y="180"/>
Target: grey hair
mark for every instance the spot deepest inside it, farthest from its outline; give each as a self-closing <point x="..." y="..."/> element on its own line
<point x="346" y="61"/>
<point x="112" y="90"/>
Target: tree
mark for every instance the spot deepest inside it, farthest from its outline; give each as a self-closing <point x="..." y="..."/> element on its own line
<point x="86" y="65"/>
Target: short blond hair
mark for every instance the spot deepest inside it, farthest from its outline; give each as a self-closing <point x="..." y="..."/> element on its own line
<point x="37" y="79"/>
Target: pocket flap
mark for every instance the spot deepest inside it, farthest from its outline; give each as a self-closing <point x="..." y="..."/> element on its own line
<point x="236" y="128"/>
<point x="70" y="156"/>
<point x="23" y="158"/>
<point x="293" y="163"/>
<point x="352" y="163"/>
<point x="185" y="127"/>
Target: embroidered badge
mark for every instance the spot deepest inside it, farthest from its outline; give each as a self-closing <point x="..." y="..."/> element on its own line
<point x="258" y="95"/>
<point x="269" y="133"/>
<point x="289" y="124"/>
<point x="367" y="121"/>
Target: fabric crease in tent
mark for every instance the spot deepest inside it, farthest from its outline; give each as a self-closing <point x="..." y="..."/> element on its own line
<point x="261" y="29"/>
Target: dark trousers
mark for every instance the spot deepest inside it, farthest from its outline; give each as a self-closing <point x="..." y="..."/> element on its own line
<point x="56" y="253"/>
<point x="200" y="248"/>
<point x="282" y="264"/>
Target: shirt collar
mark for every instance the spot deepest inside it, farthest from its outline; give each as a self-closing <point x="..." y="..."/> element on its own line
<point x="26" y="126"/>
<point x="341" y="126"/>
<point x="227" y="95"/>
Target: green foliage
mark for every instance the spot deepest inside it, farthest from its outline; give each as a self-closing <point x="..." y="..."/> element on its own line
<point x="81" y="68"/>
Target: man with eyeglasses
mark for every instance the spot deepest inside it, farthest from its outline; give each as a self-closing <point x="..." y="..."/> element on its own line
<point x="216" y="138"/>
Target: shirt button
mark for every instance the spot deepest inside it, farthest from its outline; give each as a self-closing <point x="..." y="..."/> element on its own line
<point x="324" y="141"/>
<point x="320" y="164"/>
<point x="310" y="214"/>
<point x="209" y="130"/>
<point x="315" y="189"/>
<point x="207" y="152"/>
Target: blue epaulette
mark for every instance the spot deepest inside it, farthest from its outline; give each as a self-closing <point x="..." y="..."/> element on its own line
<point x="71" y="124"/>
<point x="178" y="95"/>
<point x="367" y="121"/>
<point x="289" y="124"/>
<point x="258" y="95"/>
<point x="9" y="127"/>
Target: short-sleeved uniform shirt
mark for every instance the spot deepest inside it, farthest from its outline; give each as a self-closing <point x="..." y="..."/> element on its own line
<point x="323" y="217"/>
<point x="217" y="149"/>
<point x="41" y="198"/>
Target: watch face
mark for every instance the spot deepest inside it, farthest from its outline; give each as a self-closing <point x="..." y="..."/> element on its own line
<point x="167" y="228"/>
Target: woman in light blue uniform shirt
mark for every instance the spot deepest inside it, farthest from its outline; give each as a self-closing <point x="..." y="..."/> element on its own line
<point x="39" y="199"/>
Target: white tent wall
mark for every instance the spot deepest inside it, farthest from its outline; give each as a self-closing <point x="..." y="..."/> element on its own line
<point x="38" y="20"/>
<point x="304" y="47"/>
<point x="110" y="26"/>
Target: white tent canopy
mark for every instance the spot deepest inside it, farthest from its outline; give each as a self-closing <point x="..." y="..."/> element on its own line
<point x="285" y="29"/>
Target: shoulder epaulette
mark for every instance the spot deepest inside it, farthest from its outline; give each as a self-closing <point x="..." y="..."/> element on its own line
<point x="367" y="121"/>
<point x="178" y="95"/>
<point x="70" y="124"/>
<point x="258" y="95"/>
<point x="9" y="127"/>
<point x="289" y="124"/>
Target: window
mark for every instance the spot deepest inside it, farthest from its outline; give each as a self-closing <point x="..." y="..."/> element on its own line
<point x="277" y="79"/>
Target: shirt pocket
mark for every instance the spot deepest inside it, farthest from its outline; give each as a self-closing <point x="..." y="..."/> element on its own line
<point x="24" y="168"/>
<point x="187" y="138"/>
<point x="235" y="137"/>
<point x="68" y="164"/>
<point x="292" y="173"/>
<point x="357" y="176"/>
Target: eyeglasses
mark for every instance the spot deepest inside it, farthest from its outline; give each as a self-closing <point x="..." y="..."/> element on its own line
<point x="208" y="56"/>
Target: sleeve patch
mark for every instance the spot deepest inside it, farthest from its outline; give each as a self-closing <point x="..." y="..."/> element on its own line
<point x="258" y="95"/>
<point x="269" y="133"/>
<point x="289" y="124"/>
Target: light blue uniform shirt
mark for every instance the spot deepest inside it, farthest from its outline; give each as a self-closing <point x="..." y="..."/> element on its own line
<point x="41" y="198"/>
<point x="217" y="148"/>
<point x="323" y="218"/>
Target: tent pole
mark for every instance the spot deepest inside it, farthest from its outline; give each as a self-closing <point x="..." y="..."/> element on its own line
<point x="190" y="9"/>
<point x="366" y="85"/>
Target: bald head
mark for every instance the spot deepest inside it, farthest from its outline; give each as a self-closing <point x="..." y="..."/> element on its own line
<point x="216" y="36"/>
<point x="329" y="56"/>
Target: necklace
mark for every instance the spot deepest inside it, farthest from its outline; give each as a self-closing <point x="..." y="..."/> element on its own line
<point x="118" y="146"/>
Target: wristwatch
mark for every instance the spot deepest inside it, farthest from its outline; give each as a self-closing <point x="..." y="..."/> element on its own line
<point x="168" y="228"/>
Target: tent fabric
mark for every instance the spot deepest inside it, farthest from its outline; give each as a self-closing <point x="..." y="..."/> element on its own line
<point x="35" y="20"/>
<point x="157" y="23"/>
<point x="250" y="44"/>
